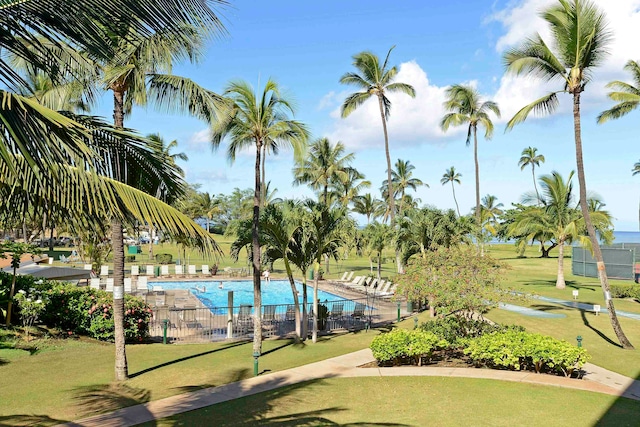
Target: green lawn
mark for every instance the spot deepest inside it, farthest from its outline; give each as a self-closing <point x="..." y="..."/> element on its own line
<point x="416" y="401"/>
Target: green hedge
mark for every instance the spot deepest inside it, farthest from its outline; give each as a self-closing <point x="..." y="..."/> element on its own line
<point x="90" y="311"/>
<point x="625" y="291"/>
<point x="400" y="345"/>
<point x="526" y="351"/>
<point x="457" y="330"/>
<point x="164" y="258"/>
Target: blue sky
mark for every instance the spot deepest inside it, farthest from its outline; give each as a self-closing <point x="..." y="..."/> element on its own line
<point x="307" y="46"/>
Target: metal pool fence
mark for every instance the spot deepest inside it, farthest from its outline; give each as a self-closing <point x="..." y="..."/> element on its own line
<point x="191" y="324"/>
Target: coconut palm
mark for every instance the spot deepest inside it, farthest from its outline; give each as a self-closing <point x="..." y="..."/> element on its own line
<point x="368" y="206"/>
<point x="325" y="226"/>
<point x="466" y="108"/>
<point x="529" y="157"/>
<point x="559" y="219"/>
<point x="579" y="43"/>
<point x="450" y="175"/>
<point x="378" y="237"/>
<point x="348" y="189"/>
<point x="402" y="178"/>
<point x="375" y="79"/>
<point x="166" y="151"/>
<point x="627" y="95"/>
<point x="636" y="169"/>
<point x="325" y="165"/>
<point x="255" y="120"/>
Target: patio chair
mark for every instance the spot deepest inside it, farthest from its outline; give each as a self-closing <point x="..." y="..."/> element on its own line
<point x="358" y="311"/>
<point x="244" y="321"/>
<point x="205" y="270"/>
<point x="291" y="312"/>
<point x="87" y="267"/>
<point x="104" y="270"/>
<point x="344" y="277"/>
<point x="135" y="270"/>
<point x="179" y="270"/>
<point x="127" y="285"/>
<point x="160" y="315"/>
<point x="63" y="259"/>
<point x="188" y="318"/>
<point x="336" y="310"/>
<point x="192" y="270"/>
<point x="269" y="314"/>
<point x="94" y="283"/>
<point x="149" y="270"/>
<point x="164" y="270"/>
<point x="109" y="287"/>
<point x="142" y="284"/>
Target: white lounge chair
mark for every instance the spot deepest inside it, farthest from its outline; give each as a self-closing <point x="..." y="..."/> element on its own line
<point x="344" y="277"/>
<point x="156" y="288"/>
<point x="149" y="270"/>
<point x="109" y="287"/>
<point x="87" y="267"/>
<point x="135" y="270"/>
<point x="164" y="270"/>
<point x="142" y="284"/>
<point x="127" y="284"/>
<point x="179" y="270"/>
<point x="94" y="283"/>
<point x="50" y="260"/>
<point x="104" y="270"/>
<point x="192" y="270"/>
<point x="205" y="270"/>
<point x="349" y="276"/>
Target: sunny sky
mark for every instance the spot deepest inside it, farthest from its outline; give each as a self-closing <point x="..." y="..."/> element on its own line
<point x="307" y="46"/>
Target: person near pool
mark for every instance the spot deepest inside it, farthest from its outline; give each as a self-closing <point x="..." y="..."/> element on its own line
<point x="266" y="275"/>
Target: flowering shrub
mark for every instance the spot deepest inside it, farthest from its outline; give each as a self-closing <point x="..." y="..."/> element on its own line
<point x="457" y="330"/>
<point x="31" y="305"/>
<point x="90" y="311"/>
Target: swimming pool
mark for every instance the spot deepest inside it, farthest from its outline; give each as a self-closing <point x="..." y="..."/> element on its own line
<point x="274" y="292"/>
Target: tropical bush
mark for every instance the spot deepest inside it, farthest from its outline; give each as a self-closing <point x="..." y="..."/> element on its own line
<point x="401" y="345"/>
<point x="31" y="305"/>
<point x="22" y="283"/>
<point x="457" y="330"/>
<point x="90" y="311"/>
<point x="625" y="291"/>
<point x="164" y="258"/>
<point x="520" y="350"/>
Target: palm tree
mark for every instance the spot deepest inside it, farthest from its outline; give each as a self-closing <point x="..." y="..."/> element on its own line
<point x="465" y="106"/>
<point x="325" y="165"/>
<point x="324" y="225"/>
<point x="368" y="206"/>
<point x="627" y="95"/>
<point x="559" y="219"/>
<point x="529" y="157"/>
<point x="165" y="150"/>
<point x="255" y="121"/>
<point x="450" y="175"/>
<point x="348" y="189"/>
<point x="580" y="41"/>
<point x="378" y="237"/>
<point x="636" y="169"/>
<point x="375" y="79"/>
<point x="402" y="178"/>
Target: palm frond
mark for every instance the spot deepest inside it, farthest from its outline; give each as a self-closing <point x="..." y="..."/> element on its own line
<point x="545" y="105"/>
<point x="402" y="88"/>
<point x="352" y="103"/>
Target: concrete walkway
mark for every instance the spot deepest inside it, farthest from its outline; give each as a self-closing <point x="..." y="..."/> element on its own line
<point x="597" y="380"/>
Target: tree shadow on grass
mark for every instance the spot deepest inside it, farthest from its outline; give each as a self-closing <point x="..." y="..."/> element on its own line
<point x="583" y="315"/>
<point x="256" y="407"/>
<point x="625" y="411"/>
<point x="28" y="420"/>
<point x="91" y="400"/>
<point x="183" y="359"/>
<point x="549" y="307"/>
<point x="234" y="376"/>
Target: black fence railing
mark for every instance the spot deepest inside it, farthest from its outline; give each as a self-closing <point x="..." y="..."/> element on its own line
<point x="194" y="324"/>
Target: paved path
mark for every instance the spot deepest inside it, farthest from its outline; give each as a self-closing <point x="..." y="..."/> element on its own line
<point x="597" y="380"/>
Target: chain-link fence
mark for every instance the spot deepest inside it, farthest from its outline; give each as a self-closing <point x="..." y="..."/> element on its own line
<point x="619" y="262"/>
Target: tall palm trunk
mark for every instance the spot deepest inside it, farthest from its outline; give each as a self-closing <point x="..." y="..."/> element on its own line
<point x="314" y="335"/>
<point x="255" y="251"/>
<point x="263" y="189"/>
<point x="12" y="292"/>
<point x="305" y="314"/>
<point x="117" y="247"/>
<point x="296" y="301"/>
<point x="597" y="252"/>
<point x="533" y="172"/>
<point x="560" y="283"/>
<point x="391" y="200"/>
<point x="453" y="188"/>
<point x="475" y="159"/>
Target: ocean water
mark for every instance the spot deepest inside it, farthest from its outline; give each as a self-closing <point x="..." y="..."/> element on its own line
<point x="626" y="236"/>
<point x="274" y="292"/>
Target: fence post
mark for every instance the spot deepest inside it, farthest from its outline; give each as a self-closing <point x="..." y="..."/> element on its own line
<point x="165" y="324"/>
<point x="230" y="314"/>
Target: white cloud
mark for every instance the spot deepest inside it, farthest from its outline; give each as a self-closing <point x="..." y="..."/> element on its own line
<point x="413" y="120"/>
<point x="199" y="140"/>
<point x="521" y="20"/>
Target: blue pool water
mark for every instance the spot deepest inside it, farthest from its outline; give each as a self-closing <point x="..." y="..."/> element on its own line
<point x="274" y="292"/>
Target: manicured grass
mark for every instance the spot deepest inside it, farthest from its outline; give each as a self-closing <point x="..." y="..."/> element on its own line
<point x="71" y="379"/>
<point x="416" y="401"/>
